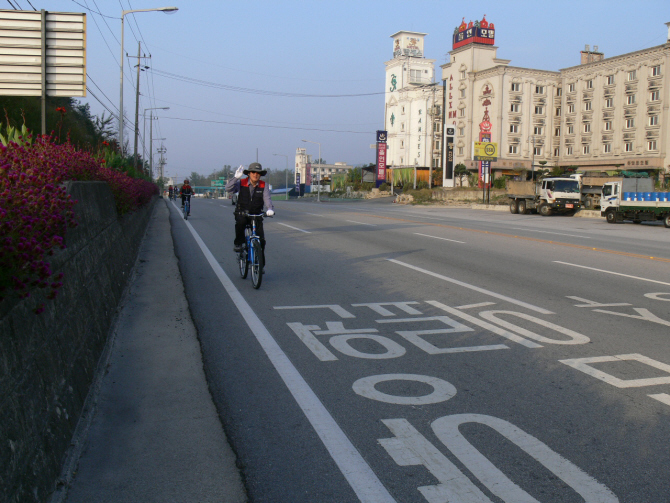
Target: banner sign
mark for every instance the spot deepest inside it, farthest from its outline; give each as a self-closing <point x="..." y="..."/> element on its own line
<point x="448" y="160"/>
<point x="381" y="157"/>
<point x="297" y="183"/>
<point x="486" y="151"/>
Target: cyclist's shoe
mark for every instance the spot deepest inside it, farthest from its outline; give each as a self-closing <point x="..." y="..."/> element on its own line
<point x="238" y="248"/>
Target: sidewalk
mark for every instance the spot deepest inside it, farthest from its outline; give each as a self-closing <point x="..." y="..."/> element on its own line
<point x="154" y="435"/>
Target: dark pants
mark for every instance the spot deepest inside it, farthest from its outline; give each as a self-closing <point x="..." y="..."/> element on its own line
<point x="241" y="224"/>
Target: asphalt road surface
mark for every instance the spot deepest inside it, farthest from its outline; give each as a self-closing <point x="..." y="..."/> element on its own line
<point x="417" y="354"/>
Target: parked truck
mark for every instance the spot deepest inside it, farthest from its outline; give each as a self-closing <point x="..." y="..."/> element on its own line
<point x="591" y="186"/>
<point x="547" y="196"/>
<point x="621" y="201"/>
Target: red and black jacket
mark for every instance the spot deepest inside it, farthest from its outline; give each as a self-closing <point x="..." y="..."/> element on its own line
<point x="244" y="200"/>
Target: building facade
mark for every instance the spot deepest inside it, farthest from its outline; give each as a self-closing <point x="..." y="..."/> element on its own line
<point x="318" y="172"/>
<point x="602" y="114"/>
<point x="413" y="105"/>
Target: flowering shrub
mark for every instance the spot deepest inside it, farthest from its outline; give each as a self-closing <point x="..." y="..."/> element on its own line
<point x="35" y="209"/>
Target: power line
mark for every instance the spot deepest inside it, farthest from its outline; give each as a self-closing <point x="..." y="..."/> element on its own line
<point x="91" y="10"/>
<point x="10" y="3"/>
<point x="106" y="24"/>
<point x="265" y="125"/>
<point x="227" y="87"/>
<point x="104" y="39"/>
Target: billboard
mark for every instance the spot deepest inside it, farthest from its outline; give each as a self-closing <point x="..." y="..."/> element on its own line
<point x="486" y="151"/>
<point x="39" y="47"/>
<point x="381" y="157"/>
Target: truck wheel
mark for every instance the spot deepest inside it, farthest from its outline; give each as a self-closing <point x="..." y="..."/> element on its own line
<point x="588" y="204"/>
<point x="513" y="208"/>
<point x="544" y="210"/>
<point x="610" y="216"/>
<point x="666" y="221"/>
<point x="522" y="207"/>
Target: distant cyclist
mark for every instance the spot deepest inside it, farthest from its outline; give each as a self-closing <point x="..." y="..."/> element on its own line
<point x="252" y="195"/>
<point x="171" y="192"/>
<point x="186" y="191"/>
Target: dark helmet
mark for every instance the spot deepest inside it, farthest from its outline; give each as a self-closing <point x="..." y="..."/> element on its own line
<point x="255" y="167"/>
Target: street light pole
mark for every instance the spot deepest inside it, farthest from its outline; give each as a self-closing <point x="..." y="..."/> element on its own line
<point x="144" y="127"/>
<point x="123" y="14"/>
<point x="318" y="195"/>
<point x="282" y="155"/>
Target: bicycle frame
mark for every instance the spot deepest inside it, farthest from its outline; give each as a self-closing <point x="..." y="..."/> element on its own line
<point x="252" y="256"/>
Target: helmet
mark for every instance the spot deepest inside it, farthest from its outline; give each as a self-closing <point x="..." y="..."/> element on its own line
<point x="255" y="167"/>
<point x="186" y="182"/>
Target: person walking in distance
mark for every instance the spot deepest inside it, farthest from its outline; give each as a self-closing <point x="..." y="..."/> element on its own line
<point x="252" y="195"/>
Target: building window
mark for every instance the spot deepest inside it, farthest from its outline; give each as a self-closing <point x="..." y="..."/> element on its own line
<point x="559" y="91"/>
<point x="557" y="131"/>
<point x="462" y="93"/>
<point x="651" y="145"/>
<point x="402" y="160"/>
<point x="588" y="106"/>
<point x="557" y="151"/>
<point x="630" y="99"/>
<point x="586" y="149"/>
<point x="516" y="86"/>
<point x="461" y="131"/>
<point x="463" y="75"/>
<point x="460" y="151"/>
<point x="437" y="144"/>
<point x="571" y="108"/>
<point x="608" y="126"/>
<point x="607" y="148"/>
<point x="609" y="103"/>
<point x="655" y="71"/>
<point x="587" y="127"/>
<point x="654" y="96"/>
<point x="632" y="75"/>
<point x="513" y="128"/>
<point x="569" y="150"/>
<point x="571" y="88"/>
<point x="461" y="112"/>
<point x="402" y="143"/>
<point x="571" y="129"/>
<point x="539" y="110"/>
<point x="589" y="84"/>
<point x="610" y="80"/>
<point x="653" y="120"/>
<point x="403" y="110"/>
<point x="539" y="89"/>
<point x="513" y="149"/>
<point x="402" y="126"/>
<point x="558" y="112"/>
<point x="537" y="150"/>
<point x="538" y="130"/>
<point x="630" y="123"/>
<point x="514" y="108"/>
<point x="628" y="146"/>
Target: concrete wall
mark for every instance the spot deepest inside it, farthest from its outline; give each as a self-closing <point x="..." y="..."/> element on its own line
<point x="47" y="361"/>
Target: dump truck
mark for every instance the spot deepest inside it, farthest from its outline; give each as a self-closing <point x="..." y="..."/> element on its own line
<point x="546" y="196"/>
<point x="620" y="201"/>
<point x="591" y="186"/>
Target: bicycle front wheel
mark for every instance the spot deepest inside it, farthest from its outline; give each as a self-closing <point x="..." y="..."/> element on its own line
<point x="256" y="264"/>
<point x="186" y="211"/>
<point x="244" y="265"/>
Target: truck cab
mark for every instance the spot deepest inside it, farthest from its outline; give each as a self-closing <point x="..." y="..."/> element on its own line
<point x="561" y="194"/>
<point x="610" y="197"/>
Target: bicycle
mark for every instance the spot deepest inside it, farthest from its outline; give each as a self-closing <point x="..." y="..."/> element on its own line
<point x="187" y="207"/>
<point x="252" y="253"/>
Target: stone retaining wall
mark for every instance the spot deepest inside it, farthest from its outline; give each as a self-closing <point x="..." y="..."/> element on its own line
<point x="47" y="361"/>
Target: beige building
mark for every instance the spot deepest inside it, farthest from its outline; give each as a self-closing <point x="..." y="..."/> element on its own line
<point x="602" y="114"/>
<point x="321" y="172"/>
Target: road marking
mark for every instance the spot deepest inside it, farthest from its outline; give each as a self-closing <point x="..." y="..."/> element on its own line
<point x="442" y="390"/>
<point x="361" y="223"/>
<point x="313" y="214"/>
<point x="358" y="473"/>
<point x="472" y="306"/>
<point x="435" y="237"/>
<point x="661" y="397"/>
<point x="583" y="365"/>
<point x="612" y="272"/>
<point x="338" y="310"/>
<point x="377" y="307"/>
<point x="657" y="296"/>
<point x="473" y="287"/>
<point x="294" y="228"/>
<point x="549" y="232"/>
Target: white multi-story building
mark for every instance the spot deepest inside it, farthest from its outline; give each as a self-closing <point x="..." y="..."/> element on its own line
<point x="603" y="114"/>
<point x="413" y="103"/>
<point x="319" y="172"/>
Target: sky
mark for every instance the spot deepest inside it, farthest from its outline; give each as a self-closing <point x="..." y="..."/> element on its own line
<point x="255" y="56"/>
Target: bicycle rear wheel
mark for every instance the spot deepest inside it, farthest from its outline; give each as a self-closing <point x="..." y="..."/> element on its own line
<point x="243" y="263"/>
<point x="256" y="264"/>
<point x="186" y="205"/>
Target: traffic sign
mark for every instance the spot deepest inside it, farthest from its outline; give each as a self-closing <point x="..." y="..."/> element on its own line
<point x="486" y="151"/>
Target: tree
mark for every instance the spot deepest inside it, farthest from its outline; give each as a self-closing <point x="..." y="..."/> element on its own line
<point x="460" y="171"/>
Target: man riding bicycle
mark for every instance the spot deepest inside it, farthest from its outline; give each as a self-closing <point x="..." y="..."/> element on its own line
<point x="185" y="191"/>
<point x="171" y="192"/>
<point x="253" y="194"/>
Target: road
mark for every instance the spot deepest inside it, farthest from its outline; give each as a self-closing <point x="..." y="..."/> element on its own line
<point x="418" y="354"/>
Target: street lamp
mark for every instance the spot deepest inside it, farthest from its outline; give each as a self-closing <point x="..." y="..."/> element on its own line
<point x="123" y="13"/>
<point x="318" y="195"/>
<point x="282" y="155"/>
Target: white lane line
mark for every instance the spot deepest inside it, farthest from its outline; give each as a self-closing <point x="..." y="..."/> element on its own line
<point x="473" y="287"/>
<point x="294" y="228"/>
<point x="361" y="223"/>
<point x="358" y="473"/>
<point x="435" y="237"/>
<point x="549" y="232"/>
<point x="661" y="397"/>
<point x="612" y="272"/>
<point x="314" y="214"/>
<point x="472" y="306"/>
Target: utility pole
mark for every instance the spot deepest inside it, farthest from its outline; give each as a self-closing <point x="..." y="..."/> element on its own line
<point x="162" y="161"/>
<point x="137" y="102"/>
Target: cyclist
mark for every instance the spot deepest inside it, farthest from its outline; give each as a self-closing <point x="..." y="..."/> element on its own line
<point x="252" y="195"/>
<point x="171" y="192"/>
<point x="186" y="191"/>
